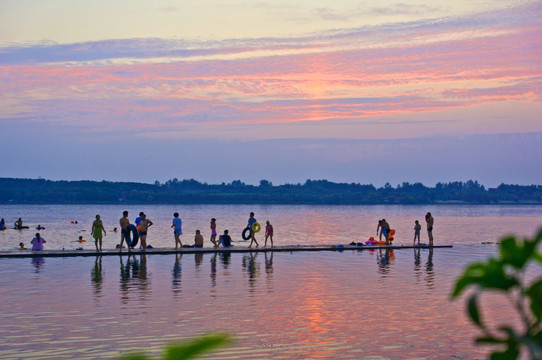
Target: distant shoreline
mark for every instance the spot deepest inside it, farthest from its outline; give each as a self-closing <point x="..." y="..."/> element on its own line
<point x="312" y="192"/>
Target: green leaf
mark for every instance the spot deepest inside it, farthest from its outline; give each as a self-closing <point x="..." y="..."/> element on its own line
<point x="513" y="346"/>
<point x="516" y="253"/>
<point x="490" y="275"/>
<point x="534" y="292"/>
<point x="488" y="340"/>
<point x="196" y="347"/>
<point x="134" y="357"/>
<point x="473" y="311"/>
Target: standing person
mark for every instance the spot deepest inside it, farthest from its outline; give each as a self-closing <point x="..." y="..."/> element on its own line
<point x="198" y="240"/>
<point x="96" y="231"/>
<point x="251" y="221"/>
<point x="177" y="224"/>
<point x="379" y="227"/>
<point x="213" y="232"/>
<point x="385" y="230"/>
<point x="138" y="220"/>
<point x="124" y="231"/>
<point x="144" y="226"/>
<point x="37" y="242"/>
<point x="268" y="233"/>
<point x="430" y="221"/>
<point x="417" y="228"/>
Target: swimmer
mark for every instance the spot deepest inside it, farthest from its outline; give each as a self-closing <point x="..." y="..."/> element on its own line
<point x="18" y="224"/>
<point x="21" y="246"/>
<point x="2" y="224"/>
<point x="115" y="230"/>
<point x="39" y="227"/>
<point x="81" y="240"/>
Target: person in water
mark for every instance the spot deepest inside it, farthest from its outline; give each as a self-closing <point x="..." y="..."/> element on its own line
<point x="177" y="231"/>
<point x="251" y="221"/>
<point x="268" y="233"/>
<point x="37" y="242"/>
<point x="430" y="221"/>
<point x="225" y="239"/>
<point x="39" y="227"/>
<point x="18" y="224"/>
<point x="80" y="240"/>
<point x="417" y="228"/>
<point x="98" y="232"/>
<point x="21" y="246"/>
<point x="144" y="226"/>
<point x="124" y="222"/>
<point x="2" y="224"/>
<point x="198" y="240"/>
<point x="213" y="232"/>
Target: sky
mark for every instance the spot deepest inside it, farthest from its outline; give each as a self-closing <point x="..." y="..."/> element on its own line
<point x="348" y="91"/>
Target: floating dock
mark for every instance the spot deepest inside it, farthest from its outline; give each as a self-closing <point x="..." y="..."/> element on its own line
<point x="233" y="249"/>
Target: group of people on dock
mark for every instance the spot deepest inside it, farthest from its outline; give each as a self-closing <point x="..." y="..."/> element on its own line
<point x="143" y="224"/>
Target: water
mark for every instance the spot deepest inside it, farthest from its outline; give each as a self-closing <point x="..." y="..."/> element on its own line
<point x="351" y="304"/>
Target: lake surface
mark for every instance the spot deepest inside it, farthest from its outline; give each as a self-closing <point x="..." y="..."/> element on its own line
<point x="366" y="304"/>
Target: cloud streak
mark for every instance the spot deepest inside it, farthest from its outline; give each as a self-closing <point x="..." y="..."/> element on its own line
<point x="160" y="85"/>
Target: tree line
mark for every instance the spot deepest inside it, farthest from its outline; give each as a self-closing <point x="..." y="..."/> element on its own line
<point x="174" y="191"/>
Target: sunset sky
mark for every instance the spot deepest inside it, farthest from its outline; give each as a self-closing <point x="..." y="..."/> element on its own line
<point x="349" y="91"/>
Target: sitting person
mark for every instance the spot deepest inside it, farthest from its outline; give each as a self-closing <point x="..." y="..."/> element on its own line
<point x="225" y="239"/>
<point x="37" y="242"/>
<point x="198" y="240"/>
<point x="21" y="246"/>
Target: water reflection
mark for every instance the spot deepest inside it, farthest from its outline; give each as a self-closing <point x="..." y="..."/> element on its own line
<point x="96" y="277"/>
<point x="225" y="259"/>
<point x="430" y="278"/>
<point x="213" y="273"/>
<point x="177" y="274"/>
<point x="38" y="262"/>
<point x="269" y="271"/>
<point x="133" y="276"/>
<point x="417" y="264"/>
<point x="253" y="269"/>
<point x="385" y="260"/>
<point x="198" y="260"/>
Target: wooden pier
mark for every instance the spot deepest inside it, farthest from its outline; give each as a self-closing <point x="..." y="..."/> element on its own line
<point x="233" y="249"/>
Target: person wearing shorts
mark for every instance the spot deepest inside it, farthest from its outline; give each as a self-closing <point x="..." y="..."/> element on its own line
<point x="251" y="221"/>
<point x="430" y="221"/>
<point x="124" y="222"/>
<point x="213" y="232"/>
<point x="144" y="226"/>
<point x="177" y="232"/>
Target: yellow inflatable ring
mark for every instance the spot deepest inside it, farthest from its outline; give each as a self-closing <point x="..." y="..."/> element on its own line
<point x="256" y="227"/>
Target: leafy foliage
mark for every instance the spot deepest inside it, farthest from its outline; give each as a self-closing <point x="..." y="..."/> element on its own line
<point x="505" y="274"/>
<point x="40" y="191"/>
<point x="187" y="350"/>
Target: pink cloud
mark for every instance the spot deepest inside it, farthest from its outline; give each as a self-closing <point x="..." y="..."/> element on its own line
<point x="420" y="67"/>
